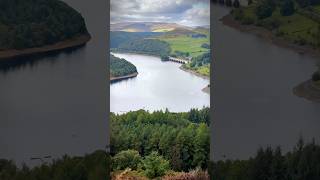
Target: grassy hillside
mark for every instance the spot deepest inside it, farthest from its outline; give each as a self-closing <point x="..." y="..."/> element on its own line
<point x="300" y="26"/>
<point x="194" y="44"/>
<point x="35" y="23"/>
<point x="187" y="44"/>
<point x="146" y="27"/>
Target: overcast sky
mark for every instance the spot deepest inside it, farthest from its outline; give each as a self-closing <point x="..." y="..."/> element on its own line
<point x="185" y="12"/>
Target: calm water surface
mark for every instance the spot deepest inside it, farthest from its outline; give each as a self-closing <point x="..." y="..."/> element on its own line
<point x="253" y="99"/>
<point x="57" y="105"/>
<point x="159" y="85"/>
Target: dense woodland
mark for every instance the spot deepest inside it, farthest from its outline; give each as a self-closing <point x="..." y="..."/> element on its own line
<point x="201" y="60"/>
<point x="146" y="46"/>
<point x="95" y="166"/>
<point x="302" y="163"/>
<point x="34" y="23"/>
<point x="119" y="37"/>
<point x="120" y="67"/>
<point x="175" y="141"/>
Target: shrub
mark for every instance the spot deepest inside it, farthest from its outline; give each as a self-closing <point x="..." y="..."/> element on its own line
<point x="247" y="20"/>
<point x="270" y="24"/>
<point x="265" y="9"/>
<point x="287" y="8"/>
<point x="126" y="159"/>
<point x="192" y="175"/>
<point x="155" y="165"/>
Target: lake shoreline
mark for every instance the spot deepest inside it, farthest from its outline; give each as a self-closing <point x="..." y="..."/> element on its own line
<point x="133" y="52"/>
<point x="194" y="72"/>
<point x="304" y="89"/>
<point x="205" y="89"/>
<point x="181" y="67"/>
<point x="308" y="91"/>
<point x="78" y="41"/>
<point x="261" y="32"/>
<point x="120" y="78"/>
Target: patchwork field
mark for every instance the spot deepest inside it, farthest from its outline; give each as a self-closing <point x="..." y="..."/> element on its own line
<point x="185" y="43"/>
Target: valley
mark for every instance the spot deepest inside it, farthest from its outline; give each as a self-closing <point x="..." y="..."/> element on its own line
<point x="164" y="39"/>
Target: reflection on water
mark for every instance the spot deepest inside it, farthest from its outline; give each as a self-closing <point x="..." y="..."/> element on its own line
<point x="253" y="98"/>
<point x="56" y="104"/>
<point x="33" y="60"/>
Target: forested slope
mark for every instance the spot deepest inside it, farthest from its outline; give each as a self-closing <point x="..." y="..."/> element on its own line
<point x="146" y="46"/>
<point x="181" y="139"/>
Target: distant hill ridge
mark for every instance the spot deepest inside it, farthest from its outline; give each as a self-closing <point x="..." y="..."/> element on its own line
<point x="149" y="27"/>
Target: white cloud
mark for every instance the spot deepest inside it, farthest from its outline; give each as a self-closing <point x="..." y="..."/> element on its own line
<point x="196" y="16"/>
<point x="186" y="11"/>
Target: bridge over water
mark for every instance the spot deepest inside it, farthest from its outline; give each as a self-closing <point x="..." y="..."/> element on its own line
<point x="178" y="60"/>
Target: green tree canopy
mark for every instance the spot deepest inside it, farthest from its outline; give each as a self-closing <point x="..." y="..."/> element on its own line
<point x="126" y="159"/>
<point x="34" y="23"/>
<point x="154" y="165"/>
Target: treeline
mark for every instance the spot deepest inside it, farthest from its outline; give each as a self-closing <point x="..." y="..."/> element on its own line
<point x="295" y="21"/>
<point x="229" y="3"/>
<point x="205" y="45"/>
<point x="146" y="46"/>
<point x="305" y="3"/>
<point x="303" y="163"/>
<point x="95" y="166"/>
<point x="177" y="141"/>
<point x="120" y="67"/>
<point x="265" y="8"/>
<point x="34" y="23"/>
<point x="119" y="37"/>
<point x="201" y="60"/>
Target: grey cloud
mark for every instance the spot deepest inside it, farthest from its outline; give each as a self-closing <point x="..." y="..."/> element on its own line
<point x="154" y="10"/>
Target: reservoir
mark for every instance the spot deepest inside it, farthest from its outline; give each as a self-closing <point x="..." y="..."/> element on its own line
<point x="56" y="104"/>
<point x="159" y="85"/>
<point x="253" y="98"/>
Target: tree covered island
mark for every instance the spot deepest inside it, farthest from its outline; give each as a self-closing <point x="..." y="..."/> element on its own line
<point x="121" y="69"/>
<point x="37" y="26"/>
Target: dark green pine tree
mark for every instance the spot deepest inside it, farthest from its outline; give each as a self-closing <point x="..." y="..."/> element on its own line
<point x="287" y="8"/>
<point x="236" y="3"/>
